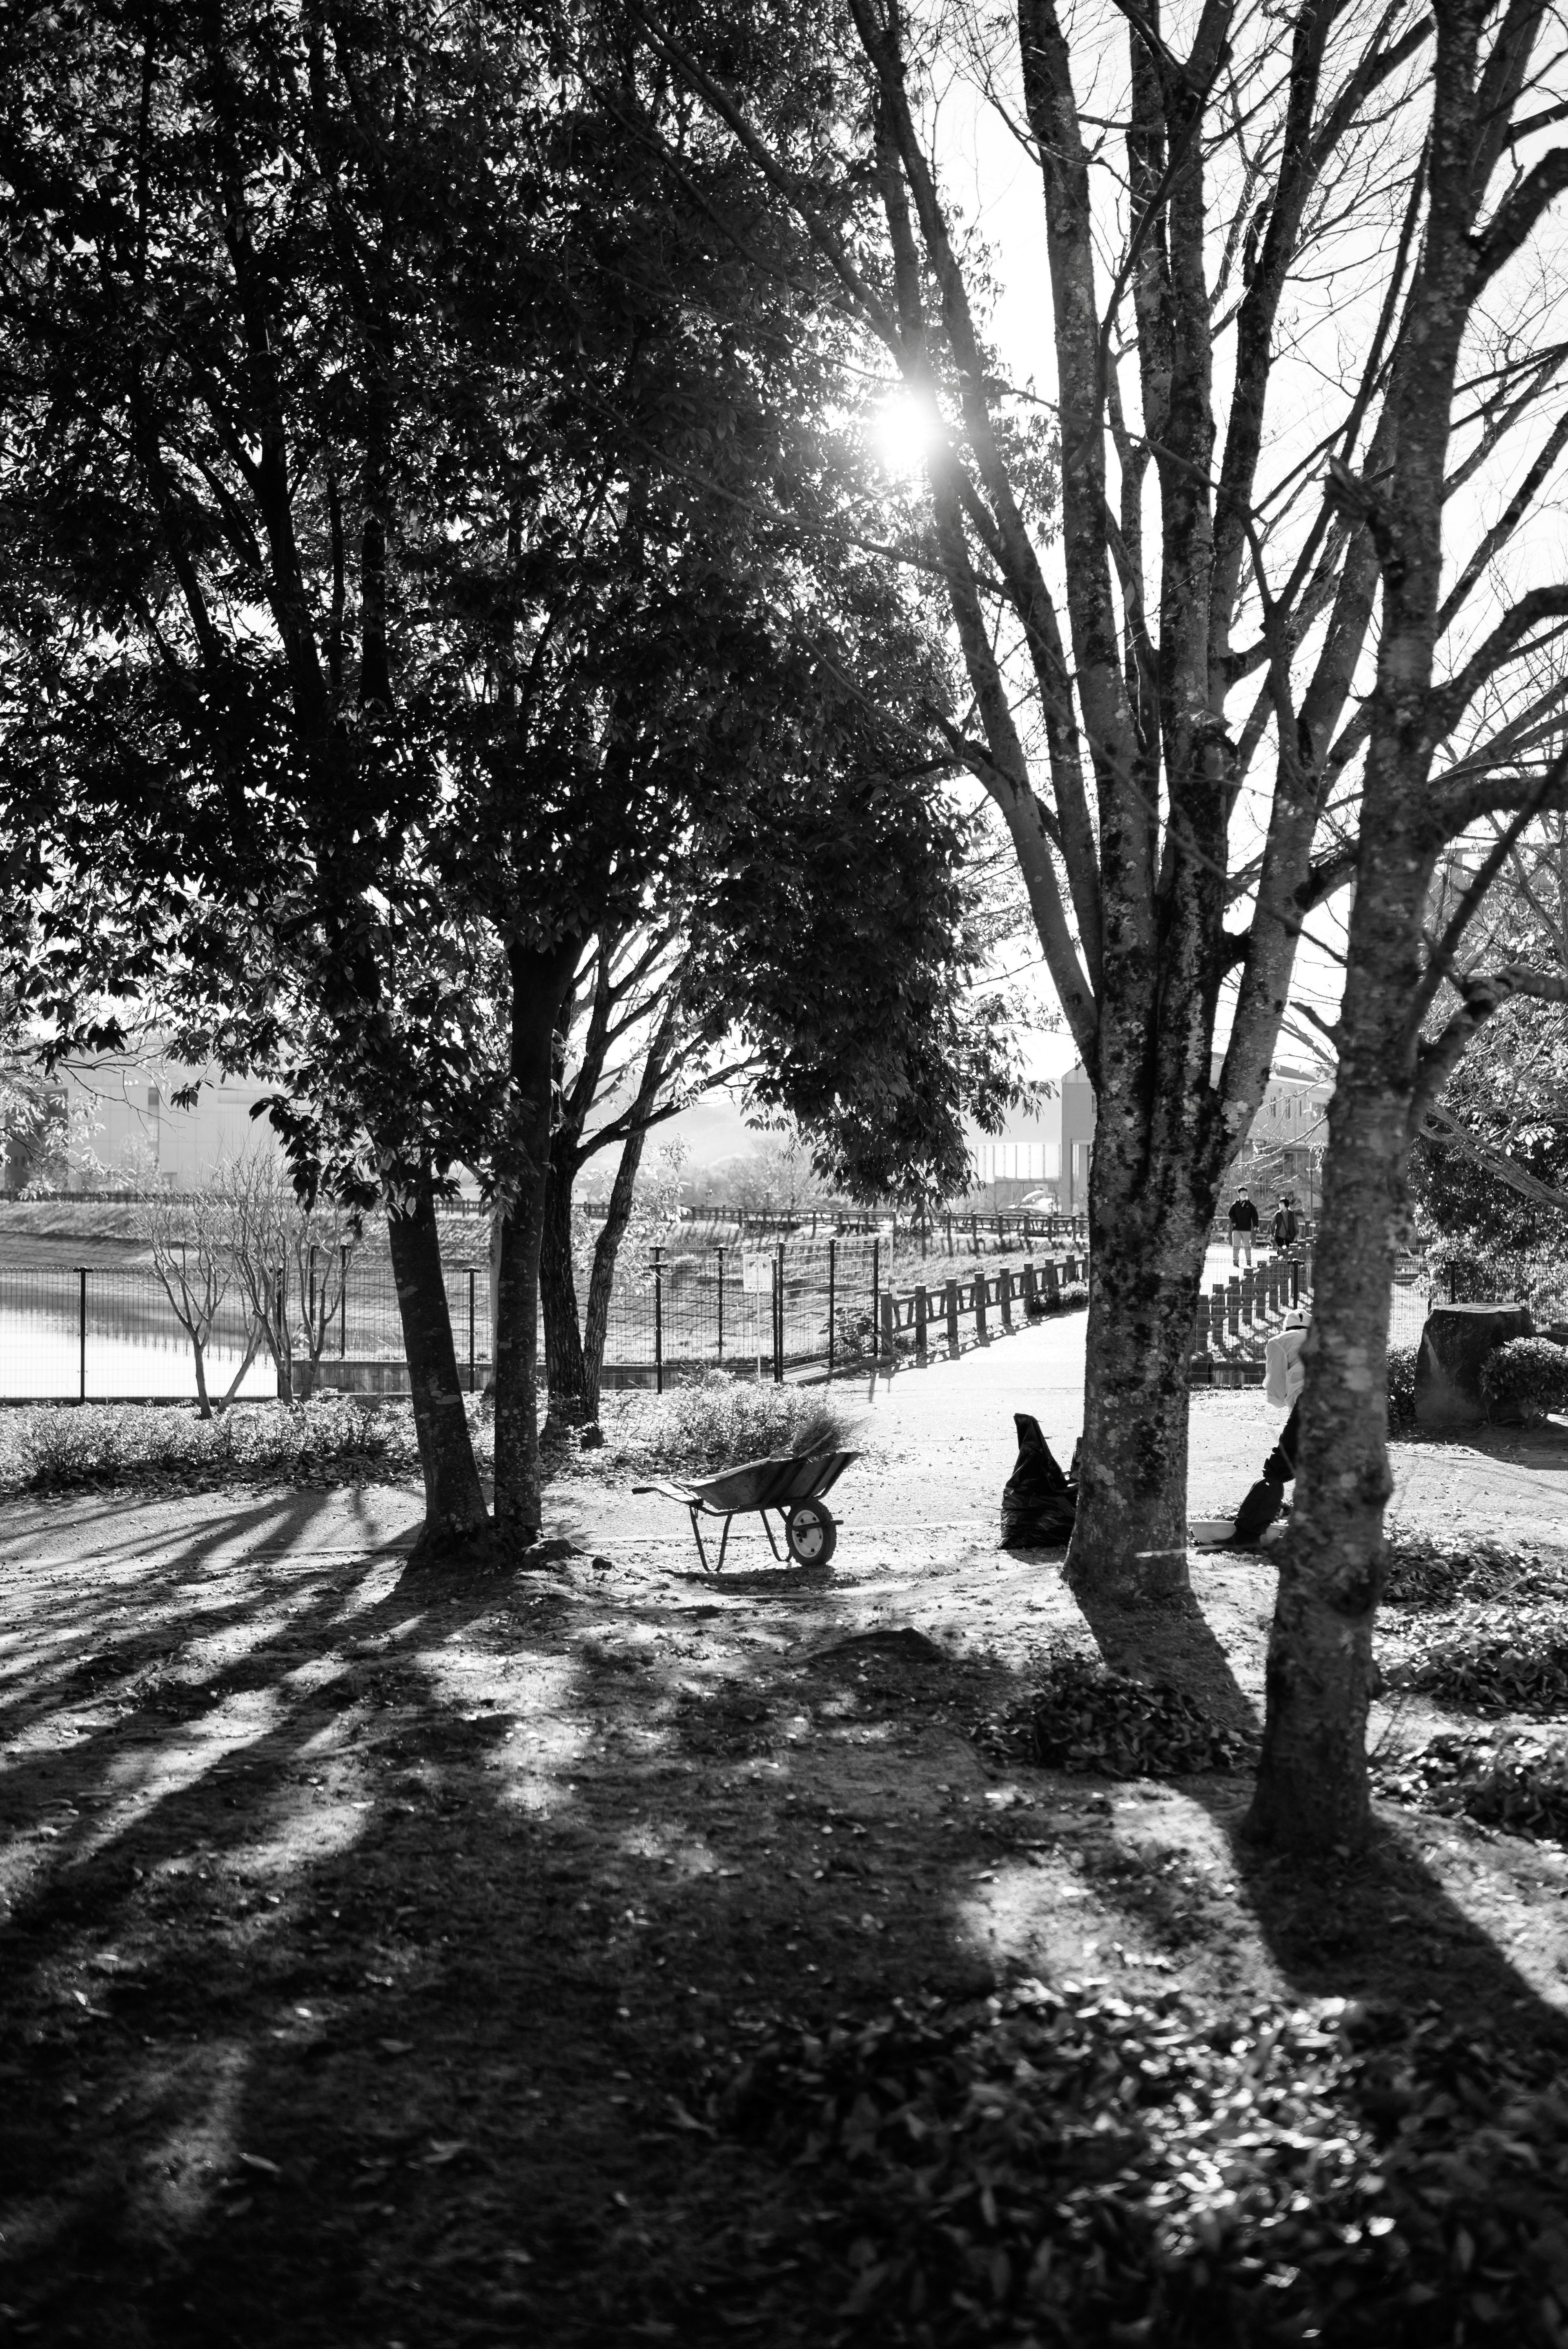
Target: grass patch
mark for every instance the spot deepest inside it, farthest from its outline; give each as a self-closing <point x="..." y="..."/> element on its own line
<point x="713" y="1421"/>
<point x="51" y="1448"/>
<point x="1070" y="2166"/>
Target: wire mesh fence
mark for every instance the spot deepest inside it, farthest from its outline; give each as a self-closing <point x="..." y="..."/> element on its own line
<point x="91" y="1333"/>
<point x="771" y="1309"/>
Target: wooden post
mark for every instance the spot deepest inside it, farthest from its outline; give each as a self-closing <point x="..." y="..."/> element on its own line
<point x="1052" y="1281"/>
<point x="1005" y="1295"/>
<point x="1233" y="1309"/>
<point x="949" y="1304"/>
<point x="982" y="1335"/>
<point x="919" y="1353"/>
<point x="1217" y="1314"/>
<point x="889" y="1324"/>
<point x="1029" y="1290"/>
<point x="1249" y="1296"/>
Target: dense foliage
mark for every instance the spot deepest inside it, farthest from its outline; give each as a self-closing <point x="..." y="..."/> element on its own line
<point x="55" y="1449"/>
<point x="1526" y="1375"/>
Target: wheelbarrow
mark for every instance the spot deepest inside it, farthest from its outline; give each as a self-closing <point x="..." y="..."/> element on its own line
<point x="794" y="1487"/>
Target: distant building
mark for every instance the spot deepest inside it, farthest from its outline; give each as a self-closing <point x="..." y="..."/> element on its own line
<point x="123" y="1130"/>
<point x="1043" y="1149"/>
<point x="1049" y="1149"/>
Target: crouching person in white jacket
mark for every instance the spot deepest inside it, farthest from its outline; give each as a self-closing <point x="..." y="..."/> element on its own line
<point x="1284" y="1379"/>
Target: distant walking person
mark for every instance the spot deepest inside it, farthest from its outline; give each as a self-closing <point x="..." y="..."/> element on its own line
<point x="1284" y="1227"/>
<point x="1244" y="1222"/>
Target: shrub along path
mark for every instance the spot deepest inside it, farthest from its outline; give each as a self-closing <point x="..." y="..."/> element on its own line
<point x="404" y="1963"/>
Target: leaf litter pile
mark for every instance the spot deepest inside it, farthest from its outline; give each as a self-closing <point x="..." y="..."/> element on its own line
<point x="1085" y="1717"/>
<point x="1514" y="1779"/>
<point x="1062" y="2165"/>
<point x="1484" y="1628"/>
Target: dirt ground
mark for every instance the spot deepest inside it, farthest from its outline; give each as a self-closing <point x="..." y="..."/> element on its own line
<point x="369" y="1943"/>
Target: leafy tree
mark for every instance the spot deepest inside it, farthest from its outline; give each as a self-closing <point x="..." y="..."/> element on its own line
<point x="406" y="562"/>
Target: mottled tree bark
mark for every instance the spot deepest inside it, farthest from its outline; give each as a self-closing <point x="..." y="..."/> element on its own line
<point x="540" y="983"/>
<point x="565" y="1369"/>
<point x="454" y="1498"/>
<point x="1312" y="1790"/>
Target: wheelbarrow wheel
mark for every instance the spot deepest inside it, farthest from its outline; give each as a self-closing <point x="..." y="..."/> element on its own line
<point x="812" y="1533"/>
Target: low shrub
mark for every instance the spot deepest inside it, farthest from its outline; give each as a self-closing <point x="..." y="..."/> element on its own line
<point x="52" y="1448"/>
<point x="1528" y="1375"/>
<point x="1515" y="1778"/>
<point x="1401" y="1386"/>
<point x="1487" y="1658"/>
<point x="1071" y="2165"/>
<point x="1085" y="1717"/>
<point x="713" y="1421"/>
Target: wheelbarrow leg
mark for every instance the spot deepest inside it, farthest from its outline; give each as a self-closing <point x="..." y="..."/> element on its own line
<point x="696" y="1536"/>
<point x="769" y="1531"/>
<point x="724" y="1539"/>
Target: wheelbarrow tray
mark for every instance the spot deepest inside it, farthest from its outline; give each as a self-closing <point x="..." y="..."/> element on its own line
<point x="759" y="1484"/>
<point x="769" y="1483"/>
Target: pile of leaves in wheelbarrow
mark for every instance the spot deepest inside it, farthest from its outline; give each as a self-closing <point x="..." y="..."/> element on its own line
<point x="1515" y="1778"/>
<point x="1063" y="2165"/>
<point x="1085" y="1717"/>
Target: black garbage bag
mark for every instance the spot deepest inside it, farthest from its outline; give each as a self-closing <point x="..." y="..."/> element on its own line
<point x="1039" y="1503"/>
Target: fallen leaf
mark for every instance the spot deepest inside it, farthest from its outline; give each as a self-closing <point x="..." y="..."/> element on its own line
<point x="395" y="2047"/>
<point x="259" y="2162"/>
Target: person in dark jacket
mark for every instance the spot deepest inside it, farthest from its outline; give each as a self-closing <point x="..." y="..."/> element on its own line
<point x="1284" y="1227"/>
<point x="1243" y="1223"/>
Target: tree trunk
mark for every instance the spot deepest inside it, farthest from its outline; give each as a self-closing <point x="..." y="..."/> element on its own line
<point x="1146" y="1264"/>
<point x="203" y="1402"/>
<point x="601" y="1279"/>
<point x="454" y="1498"/>
<point x="1312" y="1791"/>
<point x="565" y="1372"/>
<point x="539" y="985"/>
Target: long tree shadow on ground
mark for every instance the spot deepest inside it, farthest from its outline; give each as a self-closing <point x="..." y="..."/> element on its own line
<point x="397" y="2032"/>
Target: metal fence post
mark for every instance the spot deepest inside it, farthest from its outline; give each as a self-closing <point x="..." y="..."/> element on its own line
<point x="778" y="1315"/>
<point x="658" y="1321"/>
<point x="342" y="1303"/>
<point x="721" y="1305"/>
<point x="82" y="1331"/>
<point x="876" y="1293"/>
<point x="833" y="1299"/>
<point x="473" y="1366"/>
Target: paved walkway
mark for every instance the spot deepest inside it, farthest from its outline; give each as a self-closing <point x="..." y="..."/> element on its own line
<point x="941" y="1445"/>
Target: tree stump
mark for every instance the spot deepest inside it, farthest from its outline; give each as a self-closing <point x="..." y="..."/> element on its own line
<point x="1455" y="1342"/>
